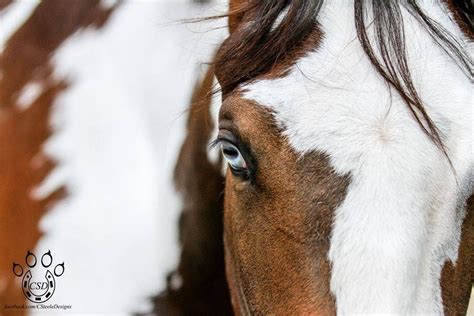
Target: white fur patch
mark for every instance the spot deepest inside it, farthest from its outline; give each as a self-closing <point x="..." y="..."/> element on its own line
<point x="116" y="134"/>
<point x="400" y="220"/>
<point x="107" y="4"/>
<point x="213" y="153"/>
<point x="13" y="17"/>
<point x="29" y="94"/>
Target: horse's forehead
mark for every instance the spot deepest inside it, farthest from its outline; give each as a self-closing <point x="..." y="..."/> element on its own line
<point x="333" y="95"/>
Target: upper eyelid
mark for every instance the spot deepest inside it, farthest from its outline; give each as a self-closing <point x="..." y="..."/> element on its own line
<point x="219" y="139"/>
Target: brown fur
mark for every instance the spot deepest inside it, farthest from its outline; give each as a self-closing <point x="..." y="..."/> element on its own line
<point x="269" y="223"/>
<point x="464" y="19"/>
<point x="457" y="279"/>
<point x="201" y="267"/>
<point x="27" y="52"/>
<point x="4" y="4"/>
<point x="277" y="227"/>
<point x="236" y="9"/>
<point x="21" y="169"/>
<point x="23" y="132"/>
<point x="252" y="49"/>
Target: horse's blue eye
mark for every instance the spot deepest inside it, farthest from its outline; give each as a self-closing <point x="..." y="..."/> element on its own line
<point x="233" y="156"/>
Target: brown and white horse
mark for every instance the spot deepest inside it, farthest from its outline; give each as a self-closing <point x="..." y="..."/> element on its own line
<point x="25" y="62"/>
<point x="346" y="128"/>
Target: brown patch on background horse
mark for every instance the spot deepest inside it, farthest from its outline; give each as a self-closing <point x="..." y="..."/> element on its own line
<point x="4" y="3"/>
<point x="198" y="286"/>
<point x="26" y="59"/>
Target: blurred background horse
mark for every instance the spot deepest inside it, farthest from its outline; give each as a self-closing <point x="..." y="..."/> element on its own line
<point x="93" y="96"/>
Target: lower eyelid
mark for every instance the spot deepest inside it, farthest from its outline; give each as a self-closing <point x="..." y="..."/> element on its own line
<point x="240" y="173"/>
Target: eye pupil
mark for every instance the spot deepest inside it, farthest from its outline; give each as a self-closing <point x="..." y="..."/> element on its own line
<point x="230" y="151"/>
<point x="234" y="158"/>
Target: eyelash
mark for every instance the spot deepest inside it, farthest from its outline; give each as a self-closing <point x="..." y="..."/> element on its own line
<point x="216" y="142"/>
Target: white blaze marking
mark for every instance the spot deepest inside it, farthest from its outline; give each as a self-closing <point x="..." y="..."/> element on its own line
<point x="400" y="219"/>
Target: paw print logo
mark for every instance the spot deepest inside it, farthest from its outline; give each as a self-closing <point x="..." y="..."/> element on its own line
<point x="38" y="285"/>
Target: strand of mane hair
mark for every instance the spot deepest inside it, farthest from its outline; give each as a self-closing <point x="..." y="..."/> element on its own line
<point x="255" y="46"/>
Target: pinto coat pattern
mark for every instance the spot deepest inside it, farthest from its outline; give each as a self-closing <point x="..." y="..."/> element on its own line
<point x="400" y="239"/>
